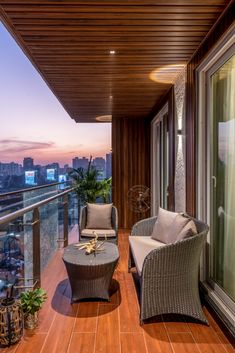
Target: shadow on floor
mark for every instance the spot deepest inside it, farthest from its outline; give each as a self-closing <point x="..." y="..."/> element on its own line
<point x="61" y="299"/>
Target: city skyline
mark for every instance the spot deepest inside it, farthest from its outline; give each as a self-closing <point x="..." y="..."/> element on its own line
<point x="33" y="122"/>
<point x="70" y="163"/>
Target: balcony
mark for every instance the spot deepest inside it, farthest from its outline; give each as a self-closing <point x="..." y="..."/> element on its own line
<point x="163" y="73"/>
<point x="99" y="326"/>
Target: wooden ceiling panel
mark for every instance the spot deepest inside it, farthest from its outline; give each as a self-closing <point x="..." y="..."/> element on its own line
<point x="69" y="42"/>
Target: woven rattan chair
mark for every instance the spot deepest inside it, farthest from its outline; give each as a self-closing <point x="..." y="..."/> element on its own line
<point x="112" y="234"/>
<point x="169" y="276"/>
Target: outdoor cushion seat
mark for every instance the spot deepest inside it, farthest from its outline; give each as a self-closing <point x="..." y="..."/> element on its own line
<point x="100" y="232"/>
<point x="141" y="246"/>
<point x="168" y="272"/>
<point x="104" y="226"/>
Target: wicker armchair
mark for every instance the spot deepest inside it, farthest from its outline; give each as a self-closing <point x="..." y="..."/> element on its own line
<point x="112" y="234"/>
<point x="169" y="276"/>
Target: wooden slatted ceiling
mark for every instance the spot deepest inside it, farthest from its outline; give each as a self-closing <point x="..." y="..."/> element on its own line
<point x="69" y="41"/>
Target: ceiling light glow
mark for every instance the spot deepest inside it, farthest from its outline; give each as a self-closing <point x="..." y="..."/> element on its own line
<point x="167" y="74"/>
<point x="112" y="52"/>
<point x="104" y="118"/>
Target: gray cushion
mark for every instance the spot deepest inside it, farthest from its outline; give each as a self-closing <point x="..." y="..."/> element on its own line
<point x="110" y="233"/>
<point x="99" y="216"/>
<point x="141" y="246"/>
<point x="178" y="224"/>
<point x="189" y="230"/>
<point x="162" y="225"/>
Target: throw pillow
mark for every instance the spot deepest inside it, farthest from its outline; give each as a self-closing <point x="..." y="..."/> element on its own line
<point x="99" y="216"/>
<point x="162" y="225"/>
<point x="180" y="228"/>
<point x="189" y="230"/>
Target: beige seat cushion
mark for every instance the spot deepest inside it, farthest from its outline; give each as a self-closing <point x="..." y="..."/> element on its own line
<point x="110" y="233"/>
<point x="141" y="246"/>
<point x="162" y="225"/>
<point x="99" y="216"/>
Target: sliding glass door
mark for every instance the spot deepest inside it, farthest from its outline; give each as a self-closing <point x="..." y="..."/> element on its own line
<point x="221" y="112"/>
<point x="160" y="161"/>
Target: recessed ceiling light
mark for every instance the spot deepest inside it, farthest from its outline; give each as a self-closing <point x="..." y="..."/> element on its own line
<point x="111" y="97"/>
<point x="104" y="118"/>
<point x="167" y="74"/>
<point x="112" y="52"/>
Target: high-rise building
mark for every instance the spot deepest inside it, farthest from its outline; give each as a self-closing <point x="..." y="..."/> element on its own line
<point x="80" y="162"/>
<point x="108" y="165"/>
<point x="10" y="169"/>
<point x="99" y="164"/>
<point x="28" y="163"/>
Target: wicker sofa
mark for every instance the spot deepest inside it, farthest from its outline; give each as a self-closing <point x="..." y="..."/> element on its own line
<point x="168" y="273"/>
<point x="112" y="234"/>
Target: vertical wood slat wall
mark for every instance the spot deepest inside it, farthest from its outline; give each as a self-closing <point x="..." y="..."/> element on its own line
<point x="191" y="119"/>
<point x="130" y="164"/>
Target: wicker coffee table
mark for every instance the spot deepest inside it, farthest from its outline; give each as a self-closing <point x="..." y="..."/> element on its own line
<point x="90" y="276"/>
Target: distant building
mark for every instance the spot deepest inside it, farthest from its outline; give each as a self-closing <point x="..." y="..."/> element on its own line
<point x="80" y="162"/>
<point x="108" y="165"/>
<point x="52" y="171"/>
<point x="99" y="164"/>
<point x="28" y="163"/>
<point x="10" y="169"/>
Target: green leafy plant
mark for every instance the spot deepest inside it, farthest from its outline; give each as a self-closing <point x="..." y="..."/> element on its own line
<point x="87" y="186"/>
<point x="33" y="300"/>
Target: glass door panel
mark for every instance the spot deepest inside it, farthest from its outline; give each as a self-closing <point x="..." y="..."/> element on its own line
<point x="222" y="185"/>
<point x="164" y="150"/>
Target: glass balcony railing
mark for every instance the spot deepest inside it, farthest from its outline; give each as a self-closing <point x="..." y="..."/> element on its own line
<point x="31" y="229"/>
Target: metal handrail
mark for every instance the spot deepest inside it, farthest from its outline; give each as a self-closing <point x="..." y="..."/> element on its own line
<point x="21" y="191"/>
<point x="18" y="213"/>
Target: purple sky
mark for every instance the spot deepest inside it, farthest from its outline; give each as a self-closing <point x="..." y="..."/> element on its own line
<point x="33" y="123"/>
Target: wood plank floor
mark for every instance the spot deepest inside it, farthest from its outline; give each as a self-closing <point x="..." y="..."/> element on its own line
<point x="100" y="327"/>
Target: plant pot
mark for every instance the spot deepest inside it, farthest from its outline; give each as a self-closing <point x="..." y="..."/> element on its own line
<point x="31" y="321"/>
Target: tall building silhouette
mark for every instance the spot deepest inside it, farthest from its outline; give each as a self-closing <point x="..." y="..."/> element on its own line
<point x="28" y="163"/>
<point x="108" y="165"/>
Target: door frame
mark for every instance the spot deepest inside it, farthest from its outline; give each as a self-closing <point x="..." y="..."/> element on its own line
<point x="220" y="301"/>
<point x="167" y="103"/>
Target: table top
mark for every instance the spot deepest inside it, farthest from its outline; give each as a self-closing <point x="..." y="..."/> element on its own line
<point x="73" y="255"/>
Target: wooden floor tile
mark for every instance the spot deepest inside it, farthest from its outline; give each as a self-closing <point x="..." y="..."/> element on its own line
<point x="86" y="320"/>
<point x="175" y="323"/>
<point x="229" y="346"/>
<point x="31" y="343"/>
<point x="107" y="336"/>
<point x="183" y="342"/>
<point x="129" y="307"/>
<point x="132" y="343"/>
<point x="156" y="338"/>
<point x="58" y="337"/>
<point x="206" y="339"/>
<point x="82" y="343"/>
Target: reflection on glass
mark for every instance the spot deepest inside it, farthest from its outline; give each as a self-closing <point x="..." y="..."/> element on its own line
<point x="223" y="171"/>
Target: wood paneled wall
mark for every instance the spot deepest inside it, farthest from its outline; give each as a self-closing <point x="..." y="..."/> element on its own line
<point x="130" y="165"/>
<point x="191" y="119"/>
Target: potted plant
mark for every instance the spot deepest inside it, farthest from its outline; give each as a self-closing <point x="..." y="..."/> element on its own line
<point x="88" y="187"/>
<point x="32" y="302"/>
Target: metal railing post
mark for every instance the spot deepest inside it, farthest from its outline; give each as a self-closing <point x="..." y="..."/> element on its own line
<point x="36" y="247"/>
<point x="66" y="219"/>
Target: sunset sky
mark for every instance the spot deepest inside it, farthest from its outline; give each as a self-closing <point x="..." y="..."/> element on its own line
<point x="33" y="123"/>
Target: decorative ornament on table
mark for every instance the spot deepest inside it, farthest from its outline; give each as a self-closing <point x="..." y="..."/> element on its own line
<point x="92" y="246"/>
